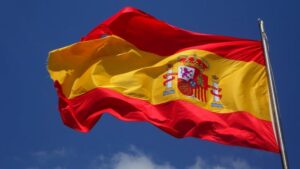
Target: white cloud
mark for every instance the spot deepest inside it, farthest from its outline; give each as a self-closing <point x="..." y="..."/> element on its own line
<point x="132" y="159"/>
<point x="51" y="159"/>
<point x="199" y="164"/>
<point x="135" y="159"/>
<point x="225" y="163"/>
<point x="239" y="164"/>
<point x="43" y="156"/>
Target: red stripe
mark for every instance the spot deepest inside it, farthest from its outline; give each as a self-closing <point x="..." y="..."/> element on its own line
<point x="152" y="35"/>
<point x="178" y="118"/>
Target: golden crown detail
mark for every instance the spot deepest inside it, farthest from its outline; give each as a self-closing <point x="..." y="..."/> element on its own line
<point x="194" y="61"/>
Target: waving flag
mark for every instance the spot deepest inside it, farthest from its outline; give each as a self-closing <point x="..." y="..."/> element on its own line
<point x="188" y="84"/>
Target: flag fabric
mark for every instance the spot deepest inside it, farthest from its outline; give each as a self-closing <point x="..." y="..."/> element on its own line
<point x="188" y="84"/>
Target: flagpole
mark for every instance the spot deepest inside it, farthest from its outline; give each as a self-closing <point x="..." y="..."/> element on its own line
<point x="273" y="98"/>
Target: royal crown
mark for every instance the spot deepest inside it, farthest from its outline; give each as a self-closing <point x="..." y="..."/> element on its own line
<point x="194" y="61"/>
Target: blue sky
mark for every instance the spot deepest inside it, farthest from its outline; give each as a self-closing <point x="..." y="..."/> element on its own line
<point x="33" y="136"/>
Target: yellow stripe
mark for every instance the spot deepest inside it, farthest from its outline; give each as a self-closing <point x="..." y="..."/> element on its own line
<point x="118" y="65"/>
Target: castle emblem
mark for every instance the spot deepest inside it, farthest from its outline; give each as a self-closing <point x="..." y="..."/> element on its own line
<point x="192" y="81"/>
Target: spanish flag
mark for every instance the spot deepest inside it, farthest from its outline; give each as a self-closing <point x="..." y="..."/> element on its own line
<point x="188" y="84"/>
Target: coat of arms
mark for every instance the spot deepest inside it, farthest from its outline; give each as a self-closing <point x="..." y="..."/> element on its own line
<point x="192" y="81"/>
